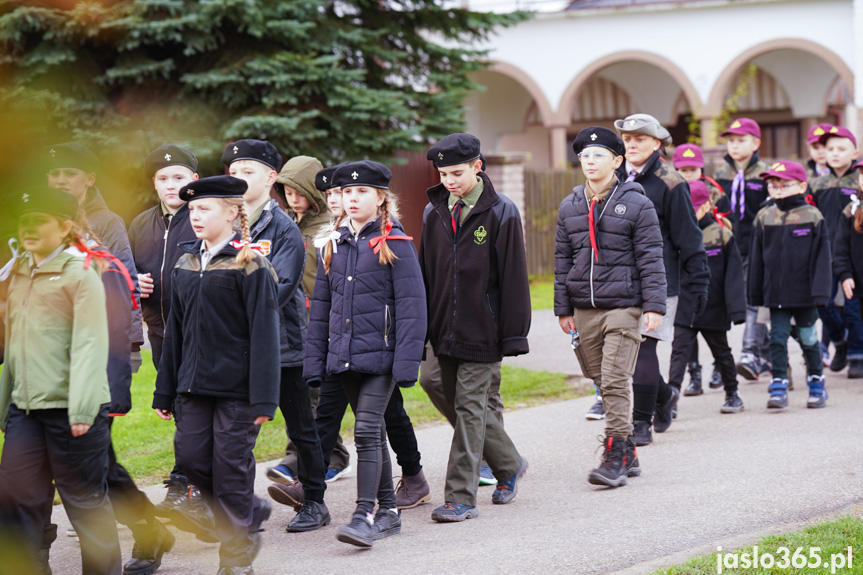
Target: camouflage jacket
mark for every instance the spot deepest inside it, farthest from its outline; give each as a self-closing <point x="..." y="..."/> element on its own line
<point x="831" y="194"/>
<point x="755" y="194"/>
<point x="222" y="333"/>
<point x="726" y="303"/>
<point x="789" y="265"/>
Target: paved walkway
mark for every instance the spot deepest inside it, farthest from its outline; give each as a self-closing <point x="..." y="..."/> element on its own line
<point x="711" y="480"/>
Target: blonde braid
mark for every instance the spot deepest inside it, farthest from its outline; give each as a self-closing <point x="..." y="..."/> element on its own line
<point x="245" y="255"/>
<point x="386" y="255"/>
<point x="328" y="247"/>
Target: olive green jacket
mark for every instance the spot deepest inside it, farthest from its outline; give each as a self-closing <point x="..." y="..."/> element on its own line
<point x="56" y="340"/>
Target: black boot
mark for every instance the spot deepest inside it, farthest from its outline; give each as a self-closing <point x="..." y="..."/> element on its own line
<point x="855" y="369"/>
<point x="715" y="378"/>
<point x="641" y="433"/>
<point x="612" y="471"/>
<point x="694" y="387"/>
<point x="633" y="469"/>
<point x="193" y="515"/>
<point x="840" y="357"/>
<point x="694" y="374"/>
<point x="663" y="414"/>
<point x="151" y="542"/>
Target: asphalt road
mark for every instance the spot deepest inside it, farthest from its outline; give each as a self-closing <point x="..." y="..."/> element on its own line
<point x="712" y="479"/>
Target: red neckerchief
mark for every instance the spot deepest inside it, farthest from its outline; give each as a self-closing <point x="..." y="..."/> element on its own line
<point x="376" y="242"/>
<point x="262" y="248"/>
<point x="719" y="216"/>
<point x="107" y="256"/>
<point x="592" y="228"/>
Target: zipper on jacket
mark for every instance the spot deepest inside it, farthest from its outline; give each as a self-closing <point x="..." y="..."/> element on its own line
<point x="386" y="325"/>
<point x="197" y="324"/>
<point x="607" y="201"/>
<point x="24" y="333"/>
<point x="162" y="272"/>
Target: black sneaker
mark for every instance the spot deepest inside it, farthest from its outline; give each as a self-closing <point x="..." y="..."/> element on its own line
<point x="855" y="369"/>
<point x="312" y="516"/>
<point x="663" y="414"/>
<point x="147" y="555"/>
<point x="633" y="469"/>
<point x="715" y="378"/>
<point x="695" y="374"/>
<point x="840" y="357"/>
<point x="733" y="403"/>
<point x="193" y="515"/>
<point x="641" y="433"/>
<point x="596" y="411"/>
<point x="612" y="471"/>
<point x="387" y="522"/>
<point x="360" y="531"/>
<point x="178" y="490"/>
<point x="694" y="388"/>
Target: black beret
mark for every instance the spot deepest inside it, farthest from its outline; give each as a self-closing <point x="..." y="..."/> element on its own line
<point x="71" y="155"/>
<point x="599" y="136"/>
<point x="214" y="187"/>
<point x="257" y="150"/>
<point x="169" y="155"/>
<point x="364" y="173"/>
<point x="454" y="149"/>
<point x="324" y="178"/>
<point x="47" y="200"/>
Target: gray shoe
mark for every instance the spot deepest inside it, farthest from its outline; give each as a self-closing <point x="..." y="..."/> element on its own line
<point x="387" y="522"/>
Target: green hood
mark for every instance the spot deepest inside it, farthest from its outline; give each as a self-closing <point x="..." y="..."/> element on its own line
<point x="299" y="173"/>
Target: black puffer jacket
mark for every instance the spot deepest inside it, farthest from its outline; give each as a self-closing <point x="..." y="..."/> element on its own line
<point x="629" y="271"/>
<point x="681" y="236"/>
<point x="848" y="251"/>
<point x="726" y="302"/>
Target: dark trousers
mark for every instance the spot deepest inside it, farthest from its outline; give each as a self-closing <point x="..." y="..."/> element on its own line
<point x="685" y="339"/>
<point x="369" y="395"/>
<point x="296" y="406"/>
<point x="780" y="329"/>
<point x="156" y="342"/>
<point x="215" y="439"/>
<point x="39" y="447"/>
<point x="339" y="456"/>
<point x="400" y="431"/>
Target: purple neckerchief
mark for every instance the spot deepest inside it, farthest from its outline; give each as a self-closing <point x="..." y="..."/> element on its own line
<point x="632" y="175"/>
<point x="738" y="194"/>
<point x="823" y="171"/>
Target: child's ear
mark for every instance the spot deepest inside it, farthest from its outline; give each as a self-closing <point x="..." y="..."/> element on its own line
<point x="271" y="178"/>
<point x="757" y="142"/>
<point x="91" y="179"/>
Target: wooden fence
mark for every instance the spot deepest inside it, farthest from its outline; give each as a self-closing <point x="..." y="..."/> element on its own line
<point x="543" y="191"/>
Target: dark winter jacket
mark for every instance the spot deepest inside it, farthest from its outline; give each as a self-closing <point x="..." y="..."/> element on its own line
<point x="221" y="339"/>
<point x="755" y="193"/>
<point x="848" y="251"/>
<point x="476" y="283"/>
<point x="119" y="308"/>
<point x="726" y="302"/>
<point x="626" y="271"/>
<point x="789" y="265"/>
<point x="681" y="237"/>
<point x="279" y="239"/>
<point x="365" y="316"/>
<point x="111" y="231"/>
<point x="831" y="194"/>
<point x="155" y="240"/>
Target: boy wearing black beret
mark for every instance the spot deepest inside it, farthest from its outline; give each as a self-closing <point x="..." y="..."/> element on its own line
<point x="475" y="272"/>
<point x="608" y="269"/>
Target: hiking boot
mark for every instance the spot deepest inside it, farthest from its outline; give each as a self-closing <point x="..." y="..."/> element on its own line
<point x="840" y="357"/>
<point x="506" y="490"/>
<point x="715" y="378"/>
<point x="694" y="374"/>
<point x="194" y="516"/>
<point x="613" y="470"/>
<point x="290" y="495"/>
<point x="281" y="474"/>
<point x="177" y="491"/>
<point x="694" y="388"/>
<point x="336" y="474"/>
<point x="817" y="392"/>
<point x="387" y="522"/>
<point x="778" y="394"/>
<point x="360" y="531"/>
<point x="486" y="476"/>
<point x="733" y="403"/>
<point x="663" y="414"/>
<point x="633" y="469"/>
<point x="312" y="516"/>
<point x="596" y="411"/>
<point x="749" y="370"/>
<point x="412" y="490"/>
<point x="855" y="368"/>
<point x="641" y="433"/>
<point x="451" y="512"/>
<point x="147" y="556"/>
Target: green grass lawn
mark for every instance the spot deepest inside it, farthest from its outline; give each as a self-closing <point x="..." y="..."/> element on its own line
<point x="144" y="442"/>
<point x="832" y="537"/>
<point x="541" y="292"/>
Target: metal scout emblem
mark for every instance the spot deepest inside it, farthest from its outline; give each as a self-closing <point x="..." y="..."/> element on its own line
<point x="620" y="209"/>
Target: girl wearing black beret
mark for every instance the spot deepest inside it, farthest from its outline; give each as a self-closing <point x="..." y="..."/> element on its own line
<point x="368" y="325"/>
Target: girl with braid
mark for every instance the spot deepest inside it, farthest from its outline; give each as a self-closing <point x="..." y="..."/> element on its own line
<point x="220" y="363"/>
<point x="367" y="325"/>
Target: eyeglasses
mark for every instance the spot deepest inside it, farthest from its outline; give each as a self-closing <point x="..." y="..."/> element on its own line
<point x="784" y="187"/>
<point x="598" y="156"/>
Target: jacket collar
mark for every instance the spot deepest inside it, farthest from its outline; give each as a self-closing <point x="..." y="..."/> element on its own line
<point x="438" y="196"/>
<point x="93" y="201"/>
<point x="194" y="247"/>
<point x="265" y="219"/>
<point x="752" y="161"/>
<point x="648" y="168"/>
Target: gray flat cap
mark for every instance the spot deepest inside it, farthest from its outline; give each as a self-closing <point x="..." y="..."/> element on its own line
<point x="643" y="124"/>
